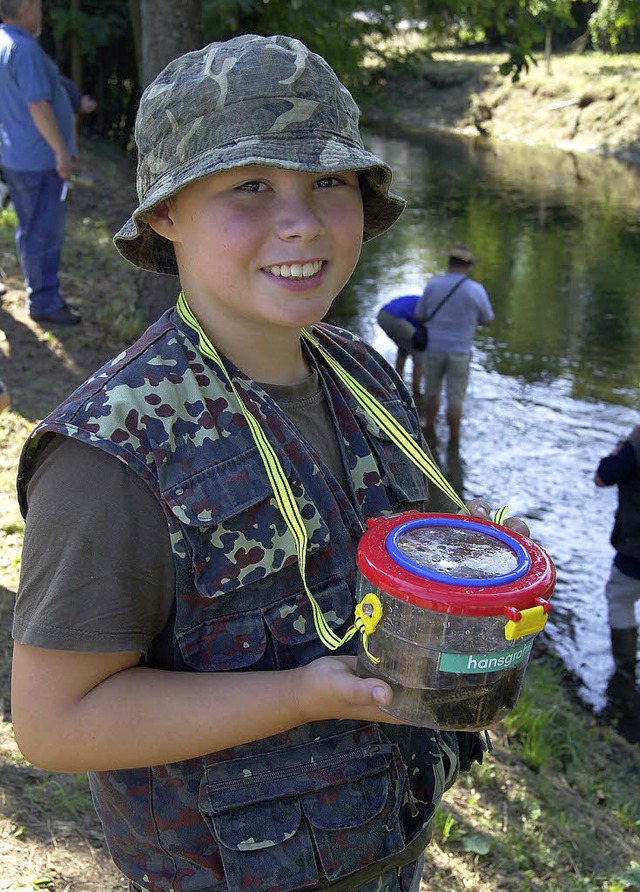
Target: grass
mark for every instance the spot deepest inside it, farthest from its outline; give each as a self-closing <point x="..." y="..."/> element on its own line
<point x="587" y="102"/>
<point x="536" y="809"/>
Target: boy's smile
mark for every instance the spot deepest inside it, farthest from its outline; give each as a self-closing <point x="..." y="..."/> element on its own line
<point x="296" y="270"/>
<point x="262" y="252"/>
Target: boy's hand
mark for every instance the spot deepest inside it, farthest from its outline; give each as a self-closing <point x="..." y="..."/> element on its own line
<point x="344" y="695"/>
<point x="329" y="688"/>
<point x="482" y="509"/>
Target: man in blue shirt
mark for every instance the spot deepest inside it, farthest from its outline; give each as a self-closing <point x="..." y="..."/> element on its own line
<point x="458" y="305"/>
<point x="38" y="154"/>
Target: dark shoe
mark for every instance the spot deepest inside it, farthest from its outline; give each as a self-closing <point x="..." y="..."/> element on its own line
<point x="62" y="316"/>
<point x="624" y="647"/>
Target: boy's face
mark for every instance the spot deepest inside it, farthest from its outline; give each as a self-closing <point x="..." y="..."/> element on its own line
<point x="264" y="247"/>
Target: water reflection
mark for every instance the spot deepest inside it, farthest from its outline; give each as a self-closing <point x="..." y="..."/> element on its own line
<point x="554" y="382"/>
<point x="559" y="240"/>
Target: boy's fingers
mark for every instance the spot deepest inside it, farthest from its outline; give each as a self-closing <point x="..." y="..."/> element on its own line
<point x="479" y="508"/>
<point x="382" y="695"/>
<point x="518" y="525"/>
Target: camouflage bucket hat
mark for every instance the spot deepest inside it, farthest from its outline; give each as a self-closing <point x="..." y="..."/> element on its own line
<point x="248" y="101"/>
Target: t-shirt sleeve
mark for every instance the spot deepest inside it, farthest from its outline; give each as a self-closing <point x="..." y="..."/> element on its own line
<point x="31" y="73"/>
<point x="485" y="314"/>
<point x="97" y="569"/>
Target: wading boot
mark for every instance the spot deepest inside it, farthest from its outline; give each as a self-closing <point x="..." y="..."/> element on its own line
<point x="624" y="647"/>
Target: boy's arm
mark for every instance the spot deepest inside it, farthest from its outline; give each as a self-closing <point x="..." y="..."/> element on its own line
<point x="95" y="712"/>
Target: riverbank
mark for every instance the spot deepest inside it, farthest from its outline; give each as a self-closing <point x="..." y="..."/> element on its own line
<point x="588" y="102"/>
<point x="556" y="807"/>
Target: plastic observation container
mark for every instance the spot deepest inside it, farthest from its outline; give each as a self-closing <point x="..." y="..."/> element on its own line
<point x="451" y="606"/>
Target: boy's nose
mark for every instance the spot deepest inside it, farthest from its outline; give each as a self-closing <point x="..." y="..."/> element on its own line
<point x="298" y="218"/>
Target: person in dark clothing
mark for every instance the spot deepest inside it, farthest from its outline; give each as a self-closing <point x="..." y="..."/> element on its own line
<point x="622" y="469"/>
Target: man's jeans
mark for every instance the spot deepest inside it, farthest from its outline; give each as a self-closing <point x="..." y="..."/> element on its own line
<point x="36" y="198"/>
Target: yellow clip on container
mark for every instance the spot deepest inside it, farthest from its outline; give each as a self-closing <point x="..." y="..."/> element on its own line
<point x="450" y="607"/>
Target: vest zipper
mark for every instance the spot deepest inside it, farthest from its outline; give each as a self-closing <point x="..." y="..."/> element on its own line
<point x="370" y="750"/>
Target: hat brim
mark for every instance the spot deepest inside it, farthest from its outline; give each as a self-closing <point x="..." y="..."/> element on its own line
<point x="141" y="245"/>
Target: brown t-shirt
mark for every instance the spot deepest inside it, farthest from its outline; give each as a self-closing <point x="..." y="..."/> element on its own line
<point x="97" y="566"/>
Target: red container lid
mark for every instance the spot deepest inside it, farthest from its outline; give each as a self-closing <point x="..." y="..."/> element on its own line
<point x="451" y="563"/>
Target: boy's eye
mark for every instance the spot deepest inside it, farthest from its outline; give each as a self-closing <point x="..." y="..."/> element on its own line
<point x="252" y="186"/>
<point x="329" y="181"/>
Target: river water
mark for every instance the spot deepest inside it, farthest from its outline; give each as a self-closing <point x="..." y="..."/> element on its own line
<point x="554" y="381"/>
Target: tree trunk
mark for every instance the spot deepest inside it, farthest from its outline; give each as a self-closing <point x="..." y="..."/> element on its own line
<point x="136" y="27"/>
<point x="76" y="54"/>
<point x="169" y="28"/>
<point x="548" y="44"/>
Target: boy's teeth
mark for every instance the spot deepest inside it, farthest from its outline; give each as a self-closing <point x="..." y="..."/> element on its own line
<point x="296" y="270"/>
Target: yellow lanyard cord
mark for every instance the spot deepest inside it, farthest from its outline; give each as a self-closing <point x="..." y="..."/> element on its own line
<point x="281" y="488"/>
<point x="283" y="493"/>
<point x="390" y="426"/>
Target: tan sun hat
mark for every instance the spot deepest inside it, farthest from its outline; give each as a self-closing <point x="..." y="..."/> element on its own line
<point x="247" y="101"/>
<point x="461" y="253"/>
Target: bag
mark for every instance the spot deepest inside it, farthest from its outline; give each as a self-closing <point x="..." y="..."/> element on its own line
<point x="420" y="337"/>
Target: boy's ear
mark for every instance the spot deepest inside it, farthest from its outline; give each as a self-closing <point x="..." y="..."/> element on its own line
<point x="161" y="221"/>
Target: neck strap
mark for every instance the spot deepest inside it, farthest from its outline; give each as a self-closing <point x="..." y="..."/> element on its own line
<point x="281" y="488"/>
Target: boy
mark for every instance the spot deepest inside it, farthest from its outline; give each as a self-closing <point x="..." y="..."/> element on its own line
<point x="165" y="637"/>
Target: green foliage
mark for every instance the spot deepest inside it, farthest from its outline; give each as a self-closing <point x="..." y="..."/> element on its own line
<point x="444" y="825"/>
<point x="61" y="795"/>
<point x="518" y="26"/>
<point x="612" y="21"/>
<point x="100" y="34"/>
<point x="106" y="24"/>
<point x="362" y="41"/>
<point x="8" y="219"/>
<point x="541" y="724"/>
<point x="339" y="30"/>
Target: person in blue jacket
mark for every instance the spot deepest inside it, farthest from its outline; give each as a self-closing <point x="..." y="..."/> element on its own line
<point x="397" y="320"/>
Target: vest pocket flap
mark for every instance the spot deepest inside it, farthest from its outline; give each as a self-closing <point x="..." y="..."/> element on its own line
<point x="222" y="491"/>
<point x="400" y="414"/>
<point x="349" y="804"/>
<point x="234" y="532"/>
<point x="259" y="825"/>
<point x="224" y="644"/>
<point x="291" y="621"/>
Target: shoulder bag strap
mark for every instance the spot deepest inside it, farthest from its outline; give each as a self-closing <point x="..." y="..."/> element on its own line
<point x="446" y="298"/>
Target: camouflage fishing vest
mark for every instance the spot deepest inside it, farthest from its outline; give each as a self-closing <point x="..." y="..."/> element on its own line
<point x="625" y="536"/>
<point x="326" y="805"/>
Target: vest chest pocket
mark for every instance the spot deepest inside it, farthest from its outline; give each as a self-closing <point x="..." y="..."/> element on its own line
<point x="233" y="528"/>
<point x="405" y="480"/>
<point x="291" y="819"/>
<point x="279" y="635"/>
